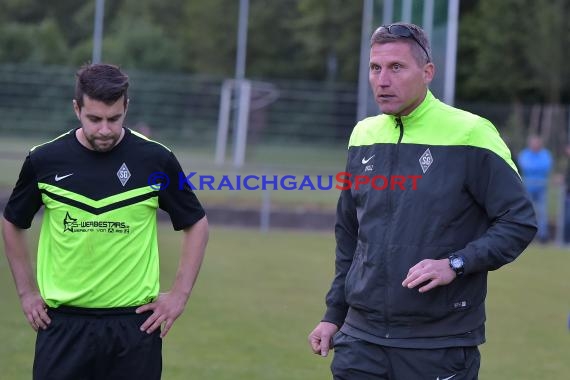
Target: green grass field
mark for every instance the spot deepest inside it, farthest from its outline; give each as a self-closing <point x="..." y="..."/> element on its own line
<point x="259" y="295"/>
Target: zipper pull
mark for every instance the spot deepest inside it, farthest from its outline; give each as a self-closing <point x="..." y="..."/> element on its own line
<point x="398" y="122"/>
<point x="400" y="125"/>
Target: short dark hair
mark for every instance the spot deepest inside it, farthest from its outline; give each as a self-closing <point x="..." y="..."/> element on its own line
<point x="102" y="82"/>
<point x="383" y="36"/>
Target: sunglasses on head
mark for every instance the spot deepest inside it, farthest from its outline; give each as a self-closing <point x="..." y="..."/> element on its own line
<point x="405" y="32"/>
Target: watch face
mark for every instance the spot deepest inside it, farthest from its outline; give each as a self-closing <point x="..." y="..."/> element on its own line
<point x="457" y="262"/>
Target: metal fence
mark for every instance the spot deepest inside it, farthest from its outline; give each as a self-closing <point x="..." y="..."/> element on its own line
<point x="37" y="100"/>
<point x="293" y="125"/>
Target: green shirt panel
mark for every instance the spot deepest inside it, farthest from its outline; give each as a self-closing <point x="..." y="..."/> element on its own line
<point x="433" y="123"/>
<point x="109" y="259"/>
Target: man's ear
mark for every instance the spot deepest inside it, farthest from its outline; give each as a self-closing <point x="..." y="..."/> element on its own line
<point x="429" y="72"/>
<point x="77" y="109"/>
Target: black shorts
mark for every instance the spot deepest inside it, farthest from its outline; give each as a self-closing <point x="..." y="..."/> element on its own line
<point x="97" y="344"/>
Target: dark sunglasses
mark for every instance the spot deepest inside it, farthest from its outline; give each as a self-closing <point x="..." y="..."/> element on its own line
<point x="406" y="32"/>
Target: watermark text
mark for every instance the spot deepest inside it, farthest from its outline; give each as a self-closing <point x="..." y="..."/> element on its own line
<point x="252" y="182"/>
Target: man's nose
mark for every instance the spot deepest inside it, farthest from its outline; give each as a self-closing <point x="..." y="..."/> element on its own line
<point x="383" y="78"/>
<point x="105" y="129"/>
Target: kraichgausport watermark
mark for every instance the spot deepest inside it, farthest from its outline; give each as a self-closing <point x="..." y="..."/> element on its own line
<point x="251" y="182"/>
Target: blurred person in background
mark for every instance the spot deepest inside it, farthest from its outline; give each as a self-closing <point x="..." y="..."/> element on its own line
<point x="408" y="298"/>
<point x="535" y="163"/>
<point x="95" y="301"/>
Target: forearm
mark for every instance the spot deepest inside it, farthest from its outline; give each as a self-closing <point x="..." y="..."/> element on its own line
<point x="18" y="257"/>
<point x="500" y="245"/>
<point x="193" y="250"/>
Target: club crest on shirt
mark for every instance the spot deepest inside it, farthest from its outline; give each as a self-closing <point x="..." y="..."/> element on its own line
<point x="123" y="174"/>
<point x="426" y="160"/>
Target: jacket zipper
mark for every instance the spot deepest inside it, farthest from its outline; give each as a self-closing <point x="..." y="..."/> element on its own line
<point x="393" y="165"/>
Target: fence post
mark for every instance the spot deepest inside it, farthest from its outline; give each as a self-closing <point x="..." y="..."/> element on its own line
<point x="265" y="212"/>
<point x="223" y="121"/>
<point x="242" y="125"/>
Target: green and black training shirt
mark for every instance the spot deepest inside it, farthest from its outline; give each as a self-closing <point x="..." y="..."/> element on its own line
<point x="98" y="242"/>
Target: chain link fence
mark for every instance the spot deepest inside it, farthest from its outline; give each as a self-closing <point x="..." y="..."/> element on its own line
<point x="294" y="126"/>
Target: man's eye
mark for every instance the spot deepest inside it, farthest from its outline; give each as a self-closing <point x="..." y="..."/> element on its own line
<point x="396" y="67"/>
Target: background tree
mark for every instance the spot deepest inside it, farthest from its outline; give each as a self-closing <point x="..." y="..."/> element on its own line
<point x="514" y="50"/>
<point x="492" y="53"/>
<point x="272" y="51"/>
<point x="511" y="50"/>
<point x="517" y="52"/>
<point x="209" y="37"/>
<point x="30" y="43"/>
<point x="144" y="35"/>
<point x="329" y="32"/>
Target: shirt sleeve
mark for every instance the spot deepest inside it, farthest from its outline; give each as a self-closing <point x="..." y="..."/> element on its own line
<point x="26" y="199"/>
<point x="494" y="183"/>
<point x="346" y="235"/>
<point x="178" y="199"/>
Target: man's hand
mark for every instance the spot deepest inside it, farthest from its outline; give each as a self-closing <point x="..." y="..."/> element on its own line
<point x="434" y="272"/>
<point x="320" y="338"/>
<point x="16" y="250"/>
<point x="168" y="306"/>
<point x="166" y="309"/>
<point x="35" y="310"/>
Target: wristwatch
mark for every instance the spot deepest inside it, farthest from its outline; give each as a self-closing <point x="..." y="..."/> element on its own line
<point x="457" y="264"/>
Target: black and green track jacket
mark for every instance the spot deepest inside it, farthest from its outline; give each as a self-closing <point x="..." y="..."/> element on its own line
<point x="441" y="182"/>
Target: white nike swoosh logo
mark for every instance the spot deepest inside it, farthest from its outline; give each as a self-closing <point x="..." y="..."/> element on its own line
<point x="447" y="378"/>
<point x="58" y="178"/>
<point x="365" y="161"/>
